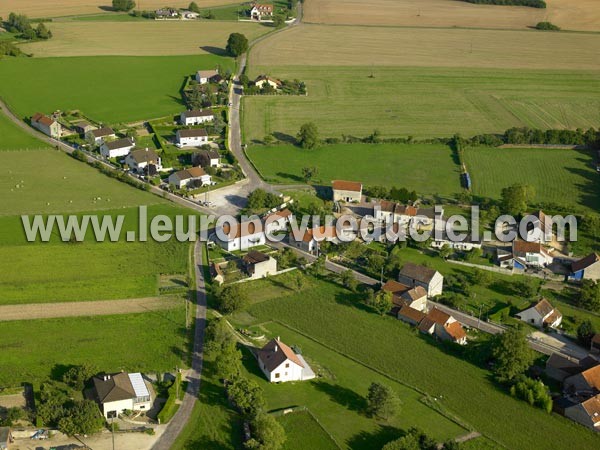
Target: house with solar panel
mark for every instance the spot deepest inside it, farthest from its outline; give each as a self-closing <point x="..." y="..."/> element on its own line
<point x="121" y="391"/>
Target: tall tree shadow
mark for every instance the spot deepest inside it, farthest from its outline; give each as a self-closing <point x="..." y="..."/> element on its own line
<point x="343" y="396"/>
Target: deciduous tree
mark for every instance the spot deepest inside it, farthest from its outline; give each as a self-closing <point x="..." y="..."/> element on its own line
<point x="382" y="401"/>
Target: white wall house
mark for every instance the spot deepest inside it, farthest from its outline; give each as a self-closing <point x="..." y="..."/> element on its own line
<point x="541" y="315"/>
<point x="240" y="236"/>
<point x="46" y="125"/>
<point x="259" y="265"/>
<point x="279" y="363"/>
<point x="122" y="391"/>
<point x="265" y="79"/>
<point x="261" y="11"/>
<point x="183" y="178"/>
<point x="204" y="76"/>
<point x="138" y="160"/>
<point x="207" y="158"/>
<point x="443" y="326"/>
<point x="346" y="191"/>
<point x="118" y="148"/>
<point x="414" y="275"/>
<point x="100" y="135"/>
<point x="309" y="242"/>
<point x="530" y="254"/>
<point x="191" y="138"/>
<point x="196" y="116"/>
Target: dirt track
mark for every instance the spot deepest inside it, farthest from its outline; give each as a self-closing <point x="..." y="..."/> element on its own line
<point x="95" y="308"/>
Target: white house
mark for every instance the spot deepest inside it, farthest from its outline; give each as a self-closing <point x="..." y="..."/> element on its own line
<point x="541" y="315"/>
<point x="278" y="220"/>
<point x="530" y="254"/>
<point x="122" y="391"/>
<point x="191" y="138"/>
<point x="259" y="265"/>
<point x="312" y="236"/>
<point x="100" y="135"/>
<point x="587" y="413"/>
<point x="265" y="79"/>
<point x="46" y="125"/>
<point x="261" y="11"/>
<point x="587" y="268"/>
<point x="204" y="76"/>
<point x="430" y="279"/>
<point x="465" y="244"/>
<point x="196" y="116"/>
<point x="443" y="326"/>
<point x="182" y="178"/>
<point x="138" y="160"/>
<point x="240" y="236"/>
<point x="207" y="158"/>
<point x="279" y="363"/>
<point x="346" y="191"/>
<point x="116" y="149"/>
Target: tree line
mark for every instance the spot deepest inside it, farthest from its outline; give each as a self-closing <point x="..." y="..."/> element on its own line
<point x="530" y="3"/>
<point x="20" y="25"/>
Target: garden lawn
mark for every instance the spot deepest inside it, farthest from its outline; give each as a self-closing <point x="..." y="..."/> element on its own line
<point x="565" y="177"/>
<point x="302" y="431"/>
<point x="421" y="101"/>
<point x="13" y="138"/>
<point x="428" y="169"/>
<point x="149" y="342"/>
<point x="110" y="89"/>
<point x="334" y="316"/>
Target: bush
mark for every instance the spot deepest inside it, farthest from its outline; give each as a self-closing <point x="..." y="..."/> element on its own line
<point x="547" y="26"/>
<point x="123" y="5"/>
<point x="171" y="406"/>
<point x="532" y="391"/>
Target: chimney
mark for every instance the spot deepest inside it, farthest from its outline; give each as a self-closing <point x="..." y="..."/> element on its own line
<point x="276" y="347"/>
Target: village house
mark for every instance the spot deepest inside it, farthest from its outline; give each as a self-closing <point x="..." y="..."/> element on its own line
<point x="313" y="236"/>
<point x="584" y="383"/>
<point x="265" y="79"/>
<point x="207" y="158"/>
<point x="191" y="138"/>
<point x="586" y="413"/>
<point x="466" y="244"/>
<point x="120" y="392"/>
<point x="527" y="254"/>
<point x="346" y="191"/>
<point x="280" y="363"/>
<point x="261" y="11"/>
<point x="138" y="160"/>
<point x="536" y="228"/>
<point x="414" y="275"/>
<point x="46" y="125"/>
<point x="541" y="315"/>
<point x="100" y="135"/>
<point x="82" y="127"/>
<point x="415" y="297"/>
<point x="240" y="236"/>
<point x="278" y="220"/>
<point x="443" y="326"/>
<point x="183" y="178"/>
<point x="196" y="116"/>
<point x="118" y="148"/>
<point x="587" y="268"/>
<point x="204" y="76"/>
<point x="410" y="315"/>
<point x="259" y="265"/>
<point x="559" y="366"/>
<point x="166" y="13"/>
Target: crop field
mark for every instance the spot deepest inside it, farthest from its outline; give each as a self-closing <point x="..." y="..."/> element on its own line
<point x="147" y="342"/>
<point x="569" y="14"/>
<point x="40" y="8"/>
<point x="12" y="137"/>
<point x="140" y="38"/>
<point x="372" y="164"/>
<point x="423" y="102"/>
<point x="149" y="87"/>
<point x="302" y="431"/>
<point x="564" y="177"/>
<point x="388" y="46"/>
<point x="335" y="317"/>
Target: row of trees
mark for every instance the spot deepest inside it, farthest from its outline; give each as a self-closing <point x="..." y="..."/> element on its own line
<point x="401" y="195"/>
<point x="415" y="439"/>
<point x="530" y="3"/>
<point x="123" y="5"/>
<point x="20" y="24"/>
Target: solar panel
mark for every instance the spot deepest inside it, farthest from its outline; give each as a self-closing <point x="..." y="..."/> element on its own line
<point x="138" y="385"/>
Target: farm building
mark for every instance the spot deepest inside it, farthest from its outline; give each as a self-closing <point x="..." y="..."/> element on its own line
<point x="541" y="315"/>
<point x="46" y="125"/>
<point x="414" y="275"/>
<point x="207" y="158"/>
<point x="559" y="367"/>
<point x="100" y="135"/>
<point x="587" y="268"/>
<point x="139" y="159"/>
<point x="280" y="363"/>
<point x="191" y="138"/>
<point x="265" y="79"/>
<point x="196" y="116"/>
<point x="122" y="391"/>
<point x="586" y="382"/>
<point x="118" y="148"/>
<point x="261" y="11"/>
<point x="184" y="177"/>
<point x="239" y="236"/>
<point x="204" y="76"/>
<point x="259" y="265"/>
<point x="415" y="297"/>
<point x="346" y="191"/>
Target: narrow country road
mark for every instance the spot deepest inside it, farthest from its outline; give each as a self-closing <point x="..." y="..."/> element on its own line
<point x="180" y="419"/>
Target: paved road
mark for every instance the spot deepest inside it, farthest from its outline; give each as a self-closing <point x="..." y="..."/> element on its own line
<point x="178" y="422"/>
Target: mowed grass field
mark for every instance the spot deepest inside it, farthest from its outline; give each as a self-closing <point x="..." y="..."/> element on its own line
<point x="106" y="88"/>
<point x="335" y="317"/>
<point x="569" y="14"/>
<point x="428" y="169"/>
<point x="57" y="8"/>
<point x="141" y="38"/>
<point x="322" y="45"/>
<point x="302" y="431"/>
<point x="424" y="102"/>
<point x="565" y="177"/>
<point x="149" y="342"/>
<point x="12" y="137"/>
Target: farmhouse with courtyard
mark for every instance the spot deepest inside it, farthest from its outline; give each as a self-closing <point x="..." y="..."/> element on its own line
<point x="118" y="148"/>
<point x="183" y="178"/>
<point x="196" y="116"/>
<point x="46" y="125"/>
<point x="541" y="315"/>
<point x="191" y="138"/>
<point x="280" y="363"/>
<point x="346" y="191"/>
<point x="414" y="275"/>
<point x="122" y="391"/>
<point x="139" y="160"/>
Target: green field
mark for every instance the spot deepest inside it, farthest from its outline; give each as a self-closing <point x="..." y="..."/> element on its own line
<point x="428" y="169"/>
<point x="13" y="138"/>
<point x="147" y="342"/>
<point x="106" y="88"/>
<point x="302" y="431"/>
<point x="564" y="177"/>
<point x="423" y="102"/>
<point x="334" y="316"/>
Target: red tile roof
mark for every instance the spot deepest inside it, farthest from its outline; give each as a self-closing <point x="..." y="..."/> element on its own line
<point x="43" y="119"/>
<point x="394" y="287"/>
<point x="341" y="185"/>
<point x="592" y="407"/>
<point x="592" y="376"/>
<point x="411" y="313"/>
<point x="456" y="330"/>
<point x="438" y="316"/>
